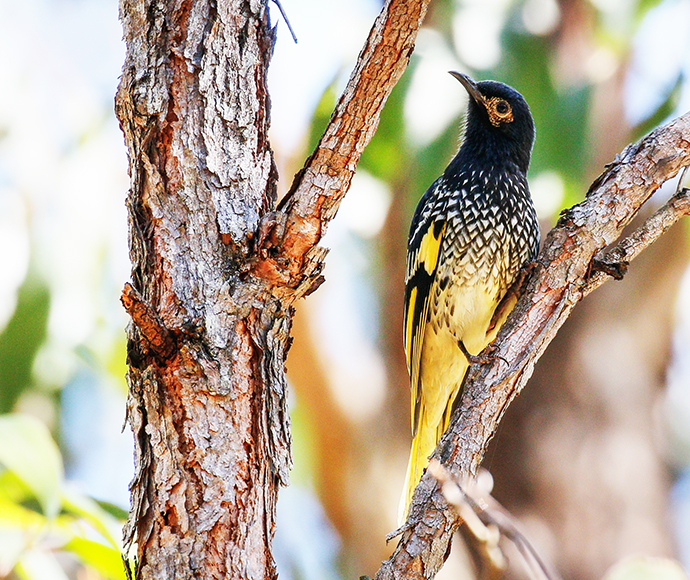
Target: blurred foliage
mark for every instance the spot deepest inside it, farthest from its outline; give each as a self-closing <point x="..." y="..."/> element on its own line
<point x="322" y="113"/>
<point x="44" y="523"/>
<point x="665" y="109"/>
<point x="641" y="8"/>
<point x="389" y="158"/>
<point x="46" y="527"/>
<point x="20" y="341"/>
<point x="527" y="66"/>
<point x="383" y="157"/>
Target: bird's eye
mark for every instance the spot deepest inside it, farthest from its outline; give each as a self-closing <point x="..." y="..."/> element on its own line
<point x="499" y="110"/>
<point x="502" y="108"/>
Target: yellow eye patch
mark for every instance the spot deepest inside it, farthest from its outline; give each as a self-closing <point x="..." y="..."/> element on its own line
<point x="499" y="111"/>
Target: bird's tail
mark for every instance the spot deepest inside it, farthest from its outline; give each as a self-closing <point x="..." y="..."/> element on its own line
<point x="423" y="445"/>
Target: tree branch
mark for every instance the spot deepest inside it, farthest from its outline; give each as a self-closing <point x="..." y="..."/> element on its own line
<point x="566" y="270"/>
<point x="287" y="239"/>
<point x="629" y="248"/>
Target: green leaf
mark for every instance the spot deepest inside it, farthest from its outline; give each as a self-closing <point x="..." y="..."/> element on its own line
<point x="644" y="6"/>
<point x="28" y="450"/>
<point x="13" y="489"/>
<point x="105" y="560"/>
<point x="115" y="511"/>
<point x="14" y="515"/>
<point x="21" y="339"/>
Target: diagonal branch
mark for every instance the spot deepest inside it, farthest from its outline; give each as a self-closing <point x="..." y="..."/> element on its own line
<point x="565" y="272"/>
<point x="287" y="238"/>
<point x="618" y="257"/>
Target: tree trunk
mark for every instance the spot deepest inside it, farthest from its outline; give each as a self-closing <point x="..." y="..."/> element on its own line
<point x="216" y="268"/>
<point x="205" y="349"/>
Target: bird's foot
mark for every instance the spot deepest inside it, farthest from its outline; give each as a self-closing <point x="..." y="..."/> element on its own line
<point x="488" y="355"/>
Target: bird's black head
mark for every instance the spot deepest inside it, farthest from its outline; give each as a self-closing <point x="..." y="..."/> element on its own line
<point x="499" y="122"/>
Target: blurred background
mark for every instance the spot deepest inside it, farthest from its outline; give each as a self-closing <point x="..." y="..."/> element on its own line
<point x="592" y="458"/>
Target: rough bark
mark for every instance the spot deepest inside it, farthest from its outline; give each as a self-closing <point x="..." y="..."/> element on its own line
<point x="205" y="349"/>
<point x="216" y="268"/>
<point x="572" y="263"/>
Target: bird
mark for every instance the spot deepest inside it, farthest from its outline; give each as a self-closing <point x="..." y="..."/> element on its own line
<point x="472" y="234"/>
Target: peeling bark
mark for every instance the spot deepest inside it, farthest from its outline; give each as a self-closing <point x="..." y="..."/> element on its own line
<point x="206" y="349"/>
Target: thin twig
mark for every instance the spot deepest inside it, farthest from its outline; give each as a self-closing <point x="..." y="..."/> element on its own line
<point x="681" y="179"/>
<point x="282" y="13"/>
<point x="481" y="512"/>
<point x="509" y="529"/>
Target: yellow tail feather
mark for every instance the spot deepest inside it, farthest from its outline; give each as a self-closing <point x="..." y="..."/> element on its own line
<point x="441" y="384"/>
<point x="423" y="445"/>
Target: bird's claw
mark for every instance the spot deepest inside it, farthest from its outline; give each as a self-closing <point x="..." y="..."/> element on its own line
<point x="488" y="355"/>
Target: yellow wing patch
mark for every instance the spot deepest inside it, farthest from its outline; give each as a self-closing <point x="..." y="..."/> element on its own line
<point x="409" y="320"/>
<point x="430" y="248"/>
<point x="422" y="265"/>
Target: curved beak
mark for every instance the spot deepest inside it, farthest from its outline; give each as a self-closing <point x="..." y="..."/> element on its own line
<point x="470" y="87"/>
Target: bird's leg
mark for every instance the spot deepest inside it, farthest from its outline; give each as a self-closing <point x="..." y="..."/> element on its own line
<point x="488" y="355"/>
<point x="500" y="314"/>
